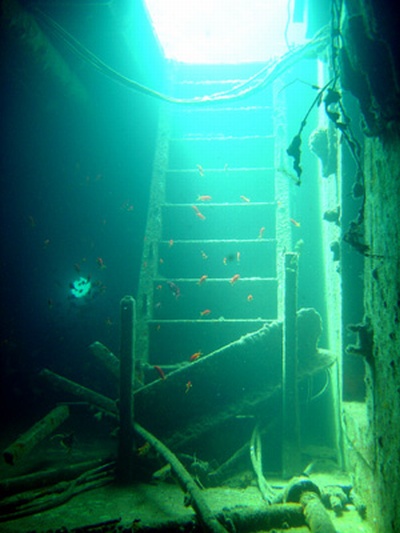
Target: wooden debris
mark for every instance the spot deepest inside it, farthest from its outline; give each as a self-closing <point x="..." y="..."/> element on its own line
<point x="106" y="358"/>
<point x="24" y="444"/>
<point x="37" y="480"/>
<point x="61" y="384"/>
<point x="197" y="500"/>
<point x="240" y="374"/>
<point x="229" y="465"/>
<point x="34" y="502"/>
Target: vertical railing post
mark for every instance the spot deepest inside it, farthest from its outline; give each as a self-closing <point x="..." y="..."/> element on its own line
<point x="290" y="417"/>
<point x="126" y="412"/>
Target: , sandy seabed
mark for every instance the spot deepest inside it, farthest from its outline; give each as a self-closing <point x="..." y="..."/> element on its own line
<point x="141" y="505"/>
<point x="151" y="506"/>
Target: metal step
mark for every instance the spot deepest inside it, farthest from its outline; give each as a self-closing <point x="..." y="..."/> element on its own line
<point x="207" y="205"/>
<point x="225" y="152"/>
<point x="213" y="321"/>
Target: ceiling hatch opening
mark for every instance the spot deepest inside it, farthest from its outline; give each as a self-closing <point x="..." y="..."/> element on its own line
<point x="224" y="31"/>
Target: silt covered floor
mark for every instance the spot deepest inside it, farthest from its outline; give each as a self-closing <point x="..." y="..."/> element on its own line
<point x="146" y="507"/>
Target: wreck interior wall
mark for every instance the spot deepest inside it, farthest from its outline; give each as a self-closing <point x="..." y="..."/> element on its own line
<point x="373" y="79"/>
<point x="382" y="306"/>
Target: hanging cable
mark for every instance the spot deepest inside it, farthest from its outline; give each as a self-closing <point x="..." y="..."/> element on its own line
<point x="267" y="491"/>
<point x="255" y="83"/>
<point x="288" y="21"/>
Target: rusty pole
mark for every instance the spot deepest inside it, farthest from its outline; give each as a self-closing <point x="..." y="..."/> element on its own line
<point x="127" y="366"/>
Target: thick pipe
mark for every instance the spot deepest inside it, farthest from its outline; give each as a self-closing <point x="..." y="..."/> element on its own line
<point x="317" y="517"/>
<point x="306" y="492"/>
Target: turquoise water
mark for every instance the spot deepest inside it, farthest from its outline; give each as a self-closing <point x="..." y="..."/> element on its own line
<point x="76" y="177"/>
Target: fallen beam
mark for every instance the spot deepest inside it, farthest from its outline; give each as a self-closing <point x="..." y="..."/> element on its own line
<point x="238" y="374"/>
<point x="34" y="502"/>
<point x="197" y="500"/>
<point x="61" y="384"/>
<point x="24" y="444"/>
<point x="106" y="358"/>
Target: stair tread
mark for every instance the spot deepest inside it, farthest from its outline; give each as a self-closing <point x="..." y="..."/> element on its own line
<point x="217" y="280"/>
<point x="209" y="320"/>
<point x="222" y="170"/>
<point x="221" y="204"/>
<point x="209" y="157"/>
<point x="229" y="109"/>
<point x="217" y="241"/>
<point x="220" y="138"/>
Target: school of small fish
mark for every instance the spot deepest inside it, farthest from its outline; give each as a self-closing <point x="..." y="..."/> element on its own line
<point x="234" y="257"/>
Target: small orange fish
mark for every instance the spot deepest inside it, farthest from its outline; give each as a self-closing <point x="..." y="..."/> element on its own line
<point x="188" y="386"/>
<point x="204" y="198"/>
<point x="159" y="287"/>
<point x="261" y="233"/>
<point x="225" y="261"/>
<point x="237" y="257"/>
<point x="160" y="371"/>
<point x="202" y="279"/>
<point x="195" y="356"/>
<point x="234" y="279"/>
<point x="200" y="169"/>
<point x="244" y="198"/>
<point x="205" y="312"/>
<point x="198" y="213"/>
<point x="249" y="297"/>
<point x="143" y="450"/>
<point x="295" y="223"/>
<point x="203" y="255"/>
<point x="170" y="243"/>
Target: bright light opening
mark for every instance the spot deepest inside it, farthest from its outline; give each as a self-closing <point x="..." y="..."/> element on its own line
<point x="223" y="31"/>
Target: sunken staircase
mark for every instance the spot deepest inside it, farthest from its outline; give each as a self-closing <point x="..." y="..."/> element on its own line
<point x="218" y="337"/>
